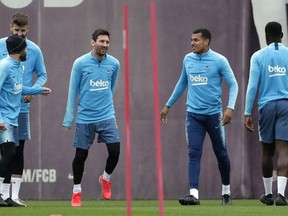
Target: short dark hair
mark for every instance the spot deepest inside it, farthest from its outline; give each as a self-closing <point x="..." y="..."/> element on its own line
<point x="98" y="32"/>
<point x="205" y="33"/>
<point x="273" y="29"/>
<point x="20" y="19"/>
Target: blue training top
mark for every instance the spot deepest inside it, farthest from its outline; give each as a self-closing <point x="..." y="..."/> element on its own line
<point x="11" y="87"/>
<point x="268" y="67"/>
<point x="203" y="74"/>
<point x="95" y="83"/>
<point x="33" y="64"/>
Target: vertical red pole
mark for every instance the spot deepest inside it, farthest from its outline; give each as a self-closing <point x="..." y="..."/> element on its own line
<point x="127" y="108"/>
<point x="156" y="106"/>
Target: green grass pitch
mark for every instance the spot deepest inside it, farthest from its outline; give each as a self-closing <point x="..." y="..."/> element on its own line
<point x="145" y="208"/>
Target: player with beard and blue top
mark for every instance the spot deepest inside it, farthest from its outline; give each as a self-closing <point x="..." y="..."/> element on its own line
<point x="34" y="68"/>
<point x="202" y="72"/>
<point x="93" y="79"/>
<point x="11" y="88"/>
<point x="268" y="73"/>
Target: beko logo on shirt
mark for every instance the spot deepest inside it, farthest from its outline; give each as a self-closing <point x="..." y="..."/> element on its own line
<point x="99" y="84"/>
<point x="198" y="80"/>
<point x="276" y="70"/>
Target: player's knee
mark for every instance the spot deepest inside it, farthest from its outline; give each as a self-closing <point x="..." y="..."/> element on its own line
<point x="81" y="155"/>
<point x="8" y="151"/>
<point x="114" y="150"/>
<point x="19" y="153"/>
<point x="194" y="154"/>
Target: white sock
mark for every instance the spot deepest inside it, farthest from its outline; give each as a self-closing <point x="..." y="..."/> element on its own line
<point x="77" y="188"/>
<point x="268" y="185"/>
<point x="194" y="192"/>
<point x="5" y="191"/>
<point x="281" y="184"/>
<point x="106" y="176"/>
<point x="225" y="189"/>
<point x="15" y="183"/>
<point x="1" y="184"/>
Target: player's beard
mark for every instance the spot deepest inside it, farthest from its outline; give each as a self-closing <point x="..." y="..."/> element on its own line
<point x="23" y="36"/>
<point x="101" y="52"/>
<point x="23" y="57"/>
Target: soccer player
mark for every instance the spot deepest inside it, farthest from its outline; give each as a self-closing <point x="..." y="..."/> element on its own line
<point x="202" y="72"/>
<point x="11" y="87"/>
<point x="268" y="70"/>
<point x="33" y="66"/>
<point x="93" y="78"/>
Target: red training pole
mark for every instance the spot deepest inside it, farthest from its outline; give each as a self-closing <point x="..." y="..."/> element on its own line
<point x="156" y="106"/>
<point x="127" y="108"/>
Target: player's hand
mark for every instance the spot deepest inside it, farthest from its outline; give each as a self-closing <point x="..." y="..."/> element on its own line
<point x="46" y="91"/>
<point x="227" y="116"/>
<point x="3" y="127"/>
<point x="249" y="123"/>
<point x="27" y="98"/>
<point x="164" y="114"/>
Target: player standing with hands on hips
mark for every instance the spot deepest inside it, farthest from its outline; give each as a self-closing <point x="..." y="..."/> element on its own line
<point x="268" y="69"/>
<point x="93" y="79"/>
<point x="11" y="88"/>
<point x="202" y="73"/>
